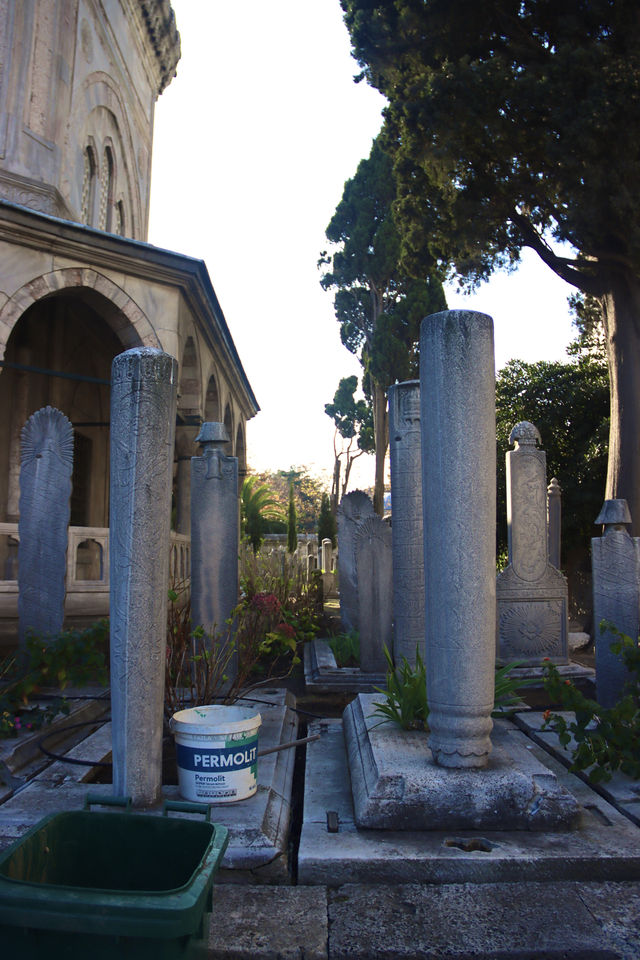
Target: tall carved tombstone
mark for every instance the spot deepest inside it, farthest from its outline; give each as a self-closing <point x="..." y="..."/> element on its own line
<point x="354" y="508"/>
<point x="406" y="527"/>
<point x="457" y="378"/>
<point x="375" y="593"/>
<point x="398" y="782"/>
<point x="615" y="558"/>
<point x="532" y="594"/>
<point x="143" y="415"/>
<point x="214" y="534"/>
<point x="45" y="491"/>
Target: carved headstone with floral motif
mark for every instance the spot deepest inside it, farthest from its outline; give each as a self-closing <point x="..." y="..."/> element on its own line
<point x="531" y="593"/>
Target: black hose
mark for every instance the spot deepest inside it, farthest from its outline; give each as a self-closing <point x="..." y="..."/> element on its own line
<point x="73" y="760"/>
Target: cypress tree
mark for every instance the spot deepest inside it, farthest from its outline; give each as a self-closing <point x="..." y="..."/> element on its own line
<point x="327" y="528"/>
<point x="292" y="532"/>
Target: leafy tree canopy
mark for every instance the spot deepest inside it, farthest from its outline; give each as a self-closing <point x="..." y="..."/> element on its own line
<point x="258" y="507"/>
<point x="569" y="404"/>
<point x="352" y="417"/>
<point x="490" y="148"/>
<point x="378" y="305"/>
<point x="354" y="421"/>
<point x="307" y="492"/>
<point x="516" y="123"/>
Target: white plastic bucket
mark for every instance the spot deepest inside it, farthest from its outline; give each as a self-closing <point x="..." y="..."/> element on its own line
<point x="217" y="752"/>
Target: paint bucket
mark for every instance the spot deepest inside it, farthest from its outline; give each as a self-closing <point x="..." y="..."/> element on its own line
<point x="217" y="752"/>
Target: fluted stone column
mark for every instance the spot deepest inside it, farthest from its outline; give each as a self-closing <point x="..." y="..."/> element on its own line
<point x="406" y="527"/>
<point x="143" y="414"/>
<point x="459" y="510"/>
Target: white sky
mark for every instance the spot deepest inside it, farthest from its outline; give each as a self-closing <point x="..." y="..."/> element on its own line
<point x="254" y="140"/>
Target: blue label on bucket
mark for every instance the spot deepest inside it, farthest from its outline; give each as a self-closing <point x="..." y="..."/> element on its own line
<point x="224" y="758"/>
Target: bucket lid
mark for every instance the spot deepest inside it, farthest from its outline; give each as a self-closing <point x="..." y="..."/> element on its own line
<point x="216" y="718"/>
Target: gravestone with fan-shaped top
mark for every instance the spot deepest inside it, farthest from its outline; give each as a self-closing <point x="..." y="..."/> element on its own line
<point x="45" y="491"/>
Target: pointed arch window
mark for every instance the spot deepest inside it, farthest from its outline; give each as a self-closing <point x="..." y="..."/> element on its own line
<point x="119" y="226"/>
<point x="106" y="200"/>
<point x="89" y="186"/>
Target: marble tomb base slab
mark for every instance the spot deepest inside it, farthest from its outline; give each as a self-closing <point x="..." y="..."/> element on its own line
<point x="396" y="785"/>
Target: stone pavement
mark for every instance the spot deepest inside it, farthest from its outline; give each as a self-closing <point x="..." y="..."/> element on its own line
<point x="492" y="921"/>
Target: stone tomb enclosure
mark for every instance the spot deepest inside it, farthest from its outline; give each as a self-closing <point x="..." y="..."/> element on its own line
<point x="397" y="786"/>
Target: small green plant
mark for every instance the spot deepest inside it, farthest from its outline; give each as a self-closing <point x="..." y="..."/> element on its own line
<point x="505" y="695"/>
<point x="73" y="657"/>
<point x="606" y="739"/>
<point x="346" y="648"/>
<point x="406" y="694"/>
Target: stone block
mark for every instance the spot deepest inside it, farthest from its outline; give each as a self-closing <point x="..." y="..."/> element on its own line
<point x="268" y="923"/>
<point x="524" y="921"/>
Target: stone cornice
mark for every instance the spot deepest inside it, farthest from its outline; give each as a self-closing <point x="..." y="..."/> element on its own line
<point x="160" y="25"/>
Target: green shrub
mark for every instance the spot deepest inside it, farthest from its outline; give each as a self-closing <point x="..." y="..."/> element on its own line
<point x="406" y="693"/>
<point x="346" y="648"/>
<point x="73" y="657"/>
<point x="606" y="739"/>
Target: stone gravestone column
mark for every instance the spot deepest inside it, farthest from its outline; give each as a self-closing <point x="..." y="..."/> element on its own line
<point x="354" y="508"/>
<point x="143" y="415"/>
<point x="375" y="593"/>
<point x="532" y="594"/>
<point x="214" y="537"/>
<point x="327" y="555"/>
<point x="615" y="558"/>
<point x="395" y="785"/>
<point x="459" y="506"/>
<point x="45" y="491"/>
<point x="554" y="522"/>
<point x="406" y="525"/>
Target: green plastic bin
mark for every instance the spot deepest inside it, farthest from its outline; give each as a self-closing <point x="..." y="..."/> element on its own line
<point x="110" y="885"/>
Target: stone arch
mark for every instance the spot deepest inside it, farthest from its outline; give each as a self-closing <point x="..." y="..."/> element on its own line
<point x="228" y="422"/>
<point x="190" y="389"/>
<point x="241" y="451"/>
<point x="212" y="401"/>
<point x="127" y="320"/>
